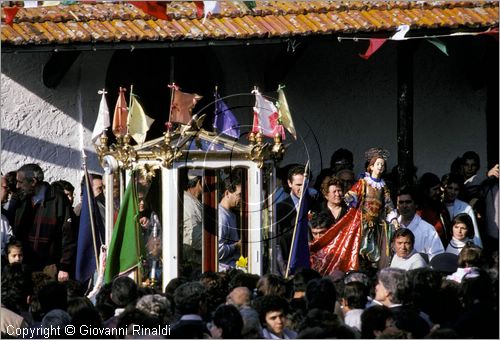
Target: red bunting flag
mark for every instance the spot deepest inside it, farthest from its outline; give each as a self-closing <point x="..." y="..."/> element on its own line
<point x="200" y="7"/>
<point x="375" y="44"/>
<point x="491" y="32"/>
<point x="182" y="105"/>
<point x="10" y="13"/>
<point x="120" y="116"/>
<point x="158" y="9"/>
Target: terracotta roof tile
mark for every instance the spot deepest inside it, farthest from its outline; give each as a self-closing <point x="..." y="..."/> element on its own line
<point x="121" y="21"/>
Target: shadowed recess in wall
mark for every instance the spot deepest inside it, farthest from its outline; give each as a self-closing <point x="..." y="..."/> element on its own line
<point x="48" y="152"/>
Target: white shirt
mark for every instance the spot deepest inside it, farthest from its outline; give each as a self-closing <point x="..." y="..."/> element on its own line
<point x="458" y="207"/>
<point x="352" y="318"/>
<point x="426" y="238"/>
<point x="414" y="261"/>
<point x="193" y="221"/>
<point x="6" y="232"/>
<point x="455" y="246"/>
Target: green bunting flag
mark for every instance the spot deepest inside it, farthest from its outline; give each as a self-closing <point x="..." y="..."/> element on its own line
<point x="126" y="248"/>
<point x="250" y="4"/>
<point x="439" y="44"/>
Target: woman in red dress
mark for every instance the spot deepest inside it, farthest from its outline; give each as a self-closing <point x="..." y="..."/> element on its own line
<point x="361" y="239"/>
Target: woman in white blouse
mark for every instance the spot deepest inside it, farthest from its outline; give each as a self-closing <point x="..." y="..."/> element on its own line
<point x="462" y="233"/>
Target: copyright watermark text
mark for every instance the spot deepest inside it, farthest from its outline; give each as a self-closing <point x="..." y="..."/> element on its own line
<point x="84" y="330"/>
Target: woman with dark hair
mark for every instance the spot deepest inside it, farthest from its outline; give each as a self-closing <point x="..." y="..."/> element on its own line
<point x="227" y="323"/>
<point x="462" y="232"/>
<point x="334" y="204"/>
<point x="361" y="239"/>
<point x="453" y="185"/>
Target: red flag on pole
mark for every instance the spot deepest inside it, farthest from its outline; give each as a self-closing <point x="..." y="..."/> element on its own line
<point x="375" y="44"/>
<point x="120" y="116"/>
<point x="158" y="9"/>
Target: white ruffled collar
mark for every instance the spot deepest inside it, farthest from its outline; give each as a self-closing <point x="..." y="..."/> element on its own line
<point x="377" y="184"/>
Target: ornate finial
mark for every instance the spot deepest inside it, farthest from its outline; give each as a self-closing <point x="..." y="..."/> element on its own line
<point x="251" y="138"/>
<point x="102" y="148"/>
<point x="278" y="149"/>
<point x="259" y="138"/>
<point x="126" y="139"/>
<point x="277" y="138"/>
<point x="167" y="137"/>
<point x="165" y="152"/>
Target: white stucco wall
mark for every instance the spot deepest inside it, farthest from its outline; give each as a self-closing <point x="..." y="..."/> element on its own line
<point x="42" y="125"/>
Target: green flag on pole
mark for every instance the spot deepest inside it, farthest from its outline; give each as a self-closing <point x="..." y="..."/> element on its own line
<point x="126" y="248"/>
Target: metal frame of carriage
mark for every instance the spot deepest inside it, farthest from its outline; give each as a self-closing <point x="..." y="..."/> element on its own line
<point x="179" y="149"/>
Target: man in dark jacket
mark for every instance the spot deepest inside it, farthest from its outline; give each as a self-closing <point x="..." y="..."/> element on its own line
<point x="44" y="225"/>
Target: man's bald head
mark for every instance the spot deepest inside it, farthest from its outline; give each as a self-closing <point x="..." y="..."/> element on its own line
<point x="239" y="296"/>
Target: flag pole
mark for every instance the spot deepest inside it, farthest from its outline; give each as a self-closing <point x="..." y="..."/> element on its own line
<point x="137" y="236"/>
<point x="215" y="110"/>
<point x="91" y="213"/>
<point x="129" y="106"/>
<point x="172" y="93"/>
<point x="306" y="171"/>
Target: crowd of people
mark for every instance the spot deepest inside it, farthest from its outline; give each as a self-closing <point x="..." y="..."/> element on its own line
<point x="387" y="261"/>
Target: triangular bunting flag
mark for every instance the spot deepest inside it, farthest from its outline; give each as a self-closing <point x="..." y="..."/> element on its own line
<point x="211" y="8"/>
<point x="250" y="4"/>
<point x="375" y="44"/>
<point x="439" y="44"/>
<point x="199" y="8"/>
<point x="10" y="13"/>
<point x="400" y="32"/>
<point x="30" y="4"/>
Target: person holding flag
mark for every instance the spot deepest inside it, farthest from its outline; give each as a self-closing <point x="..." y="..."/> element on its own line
<point x="90" y="232"/>
<point x="287" y="211"/>
<point x="299" y="254"/>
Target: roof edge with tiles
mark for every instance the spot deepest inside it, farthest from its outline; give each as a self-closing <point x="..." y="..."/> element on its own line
<point x="111" y="24"/>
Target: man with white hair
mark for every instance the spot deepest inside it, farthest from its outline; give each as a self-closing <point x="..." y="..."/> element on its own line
<point x="43" y="224"/>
